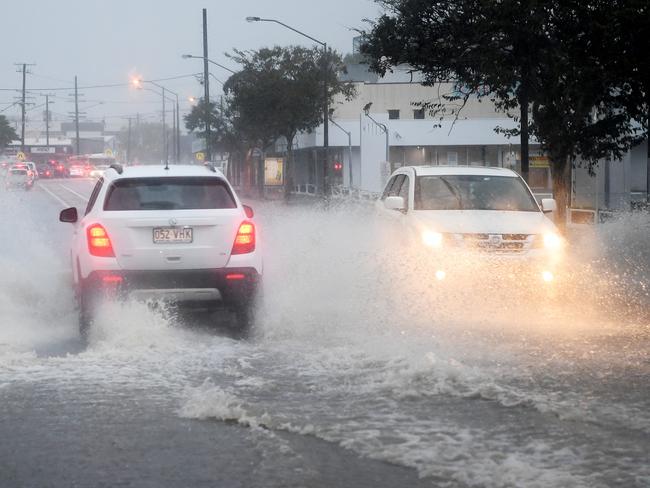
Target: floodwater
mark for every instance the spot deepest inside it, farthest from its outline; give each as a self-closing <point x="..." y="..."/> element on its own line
<point x="360" y="369"/>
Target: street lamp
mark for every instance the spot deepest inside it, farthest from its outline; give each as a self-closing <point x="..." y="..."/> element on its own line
<point x="206" y="84"/>
<point x="191" y="56"/>
<point x="325" y="90"/>
<point x="384" y="128"/>
<point x="138" y="84"/>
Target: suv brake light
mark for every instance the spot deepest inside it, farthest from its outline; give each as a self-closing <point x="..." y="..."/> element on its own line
<point x="245" y="239"/>
<point x="99" y="244"/>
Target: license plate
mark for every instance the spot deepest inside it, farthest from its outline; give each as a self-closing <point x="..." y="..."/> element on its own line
<point x="172" y="235"/>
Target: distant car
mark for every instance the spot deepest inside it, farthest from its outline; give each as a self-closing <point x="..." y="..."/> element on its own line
<point x="59" y="169"/>
<point x="19" y="178"/>
<point x="179" y="234"/>
<point x="32" y="168"/>
<point x="98" y="170"/>
<point x="477" y="215"/>
<point x="79" y="170"/>
<point x="45" y="170"/>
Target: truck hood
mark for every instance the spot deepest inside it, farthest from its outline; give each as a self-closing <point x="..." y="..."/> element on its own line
<point x="483" y="222"/>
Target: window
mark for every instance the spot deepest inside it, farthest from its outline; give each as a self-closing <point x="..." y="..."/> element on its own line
<point x="169" y="193"/>
<point x="393" y="187"/>
<point x="94" y="194"/>
<point x="418" y="114"/>
<point x="393" y="114"/>
<point x="404" y="191"/>
<point x="473" y="192"/>
<point x="452" y="158"/>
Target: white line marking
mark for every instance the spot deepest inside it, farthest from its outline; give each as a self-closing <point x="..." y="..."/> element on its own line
<point x="55" y="196"/>
<point x="74" y="192"/>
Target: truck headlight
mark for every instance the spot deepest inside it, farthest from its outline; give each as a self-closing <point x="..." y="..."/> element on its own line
<point x="432" y="239"/>
<point x="552" y="241"/>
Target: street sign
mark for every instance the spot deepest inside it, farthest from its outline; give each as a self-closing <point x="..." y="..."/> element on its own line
<point x="21" y="156"/>
<point x="108" y="153"/>
<point x="199" y="156"/>
<point x="274" y="171"/>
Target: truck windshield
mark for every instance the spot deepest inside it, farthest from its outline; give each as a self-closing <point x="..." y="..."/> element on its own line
<point x="169" y="194"/>
<point x="473" y="192"/>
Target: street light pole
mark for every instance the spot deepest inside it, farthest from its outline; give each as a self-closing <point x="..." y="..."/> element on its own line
<point x="137" y="83"/>
<point x="349" y="134"/>
<point x="385" y="129"/>
<point x="206" y="85"/>
<point x="325" y="92"/>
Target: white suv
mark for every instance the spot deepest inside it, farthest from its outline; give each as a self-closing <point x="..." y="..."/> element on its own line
<point x="179" y="233"/>
<point x="470" y="216"/>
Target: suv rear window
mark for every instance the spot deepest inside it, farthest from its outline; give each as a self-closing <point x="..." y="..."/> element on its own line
<point x="169" y="193"/>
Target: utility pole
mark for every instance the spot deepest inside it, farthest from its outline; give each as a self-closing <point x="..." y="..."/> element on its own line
<point x="128" y="144"/>
<point x="178" y="133"/>
<point x="23" y="101"/>
<point x="206" y="86"/>
<point x="164" y="122"/>
<point x="326" y="118"/>
<point x="76" y="115"/>
<point x="22" y="104"/>
<point x="47" y="120"/>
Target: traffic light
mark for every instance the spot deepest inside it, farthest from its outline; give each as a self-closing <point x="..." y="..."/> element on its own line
<point x="338" y="166"/>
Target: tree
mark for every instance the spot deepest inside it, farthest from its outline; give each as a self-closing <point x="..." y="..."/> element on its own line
<point x="551" y="57"/>
<point x="489" y="49"/>
<point x="146" y="145"/>
<point x="279" y="93"/>
<point x="7" y="133"/>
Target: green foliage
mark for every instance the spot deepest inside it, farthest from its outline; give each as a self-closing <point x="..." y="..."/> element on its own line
<point x="224" y="133"/>
<point x="279" y="91"/>
<point x="580" y="65"/>
<point x="7" y="133"/>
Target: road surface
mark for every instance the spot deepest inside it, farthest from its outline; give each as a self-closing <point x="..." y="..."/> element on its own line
<point x="359" y="372"/>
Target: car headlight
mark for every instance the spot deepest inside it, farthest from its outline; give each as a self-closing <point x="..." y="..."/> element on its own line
<point x="432" y="239"/>
<point x="552" y="241"/>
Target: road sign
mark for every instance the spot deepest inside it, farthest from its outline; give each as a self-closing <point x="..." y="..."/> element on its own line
<point x="108" y="153"/>
<point x="21" y="156"/>
<point x="200" y="156"/>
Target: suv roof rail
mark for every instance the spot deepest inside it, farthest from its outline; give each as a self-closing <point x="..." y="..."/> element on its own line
<point x="117" y="167"/>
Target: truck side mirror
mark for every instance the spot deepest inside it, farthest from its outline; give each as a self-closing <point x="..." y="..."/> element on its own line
<point x="549" y="205"/>
<point x="395" y="203"/>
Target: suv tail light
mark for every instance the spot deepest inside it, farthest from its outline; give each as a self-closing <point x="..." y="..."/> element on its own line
<point x="245" y="239"/>
<point x="99" y="244"/>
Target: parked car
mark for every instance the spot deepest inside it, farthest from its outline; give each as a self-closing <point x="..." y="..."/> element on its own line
<point x="180" y="234"/>
<point x="477" y="215"/>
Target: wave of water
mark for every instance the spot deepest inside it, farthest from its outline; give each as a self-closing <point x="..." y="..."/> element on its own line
<point x="478" y="385"/>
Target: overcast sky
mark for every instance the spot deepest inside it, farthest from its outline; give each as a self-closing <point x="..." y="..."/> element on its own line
<point x="106" y="42"/>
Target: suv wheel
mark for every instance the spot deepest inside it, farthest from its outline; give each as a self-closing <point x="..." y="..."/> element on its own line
<point x="87" y="305"/>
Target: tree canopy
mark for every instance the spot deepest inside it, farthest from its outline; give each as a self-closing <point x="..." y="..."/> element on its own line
<point x="7" y="133"/>
<point x="279" y="91"/>
<point x="578" y="66"/>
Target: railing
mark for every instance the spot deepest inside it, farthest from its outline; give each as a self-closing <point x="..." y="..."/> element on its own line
<point x="336" y="192"/>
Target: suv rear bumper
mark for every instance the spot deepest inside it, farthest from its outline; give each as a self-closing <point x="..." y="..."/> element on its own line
<point x="227" y="286"/>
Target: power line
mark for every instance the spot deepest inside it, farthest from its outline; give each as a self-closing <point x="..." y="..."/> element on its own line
<point x="109" y="85"/>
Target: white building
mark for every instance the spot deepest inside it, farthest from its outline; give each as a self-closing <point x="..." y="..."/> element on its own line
<point x="359" y="142"/>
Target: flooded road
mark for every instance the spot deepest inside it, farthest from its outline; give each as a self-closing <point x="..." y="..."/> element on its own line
<point x="359" y="373"/>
